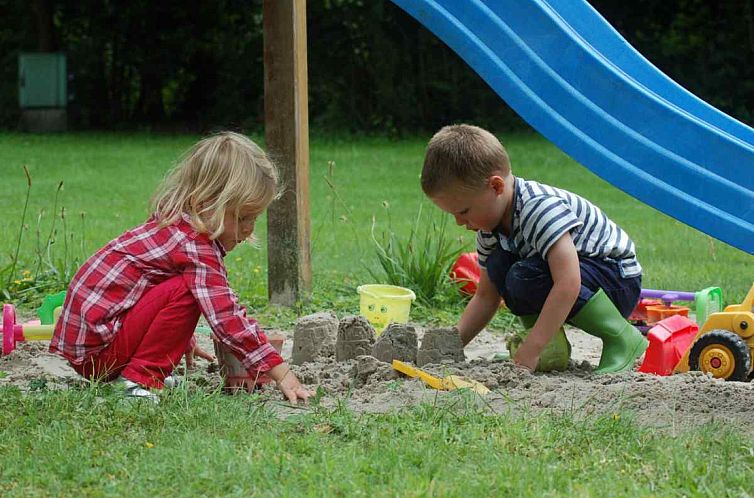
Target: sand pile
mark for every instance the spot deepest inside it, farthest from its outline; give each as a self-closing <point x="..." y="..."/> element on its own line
<point x="365" y="380"/>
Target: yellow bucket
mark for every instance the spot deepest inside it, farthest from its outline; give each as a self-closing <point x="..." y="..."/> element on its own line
<point x="385" y="304"/>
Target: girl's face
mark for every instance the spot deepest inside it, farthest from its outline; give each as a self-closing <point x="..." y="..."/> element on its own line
<point x="237" y="230"/>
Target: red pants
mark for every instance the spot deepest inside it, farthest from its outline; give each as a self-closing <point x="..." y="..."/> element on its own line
<point x="154" y="336"/>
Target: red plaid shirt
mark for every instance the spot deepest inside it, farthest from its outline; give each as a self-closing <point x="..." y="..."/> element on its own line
<point x="113" y="280"/>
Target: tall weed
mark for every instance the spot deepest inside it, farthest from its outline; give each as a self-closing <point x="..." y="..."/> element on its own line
<point x="52" y="271"/>
<point x="421" y="261"/>
<point x="11" y="270"/>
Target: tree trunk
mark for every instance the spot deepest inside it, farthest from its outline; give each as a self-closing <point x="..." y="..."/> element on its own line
<point x="46" y="38"/>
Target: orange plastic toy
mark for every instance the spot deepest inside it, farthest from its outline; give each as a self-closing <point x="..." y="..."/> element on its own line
<point x="657" y="313"/>
<point x="668" y="342"/>
<point x="651" y="311"/>
<point x="639" y="314"/>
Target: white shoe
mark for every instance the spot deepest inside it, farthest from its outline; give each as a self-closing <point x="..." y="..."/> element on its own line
<point x="172" y="381"/>
<point x="134" y="390"/>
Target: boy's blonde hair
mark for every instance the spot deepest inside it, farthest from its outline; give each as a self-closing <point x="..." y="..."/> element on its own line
<point x="465" y="154"/>
<point x="225" y="170"/>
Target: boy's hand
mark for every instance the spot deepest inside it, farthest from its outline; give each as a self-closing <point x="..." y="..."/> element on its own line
<point x="288" y="384"/>
<point x="563" y="262"/>
<point x="198" y="352"/>
<point x="527" y="355"/>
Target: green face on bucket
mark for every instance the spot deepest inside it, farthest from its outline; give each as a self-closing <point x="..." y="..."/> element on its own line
<point x="385" y="304"/>
<point x="373" y="307"/>
<point x="378" y="316"/>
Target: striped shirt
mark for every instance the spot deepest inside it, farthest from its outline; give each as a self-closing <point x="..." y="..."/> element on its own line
<point x="112" y="281"/>
<point x="543" y="214"/>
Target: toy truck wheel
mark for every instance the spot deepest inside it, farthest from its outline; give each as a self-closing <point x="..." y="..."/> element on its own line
<point x="723" y="354"/>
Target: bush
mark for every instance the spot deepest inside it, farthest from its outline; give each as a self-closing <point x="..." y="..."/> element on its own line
<point x="420" y="262"/>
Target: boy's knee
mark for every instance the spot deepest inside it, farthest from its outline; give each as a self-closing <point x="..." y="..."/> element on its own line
<point x="183" y="292"/>
<point x="499" y="263"/>
<point x="526" y="287"/>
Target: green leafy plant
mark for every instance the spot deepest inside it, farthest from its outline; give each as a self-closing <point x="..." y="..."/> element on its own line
<point x="421" y="261"/>
<point x="38" y="384"/>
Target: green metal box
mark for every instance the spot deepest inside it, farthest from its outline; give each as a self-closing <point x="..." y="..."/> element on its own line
<point x="42" y="80"/>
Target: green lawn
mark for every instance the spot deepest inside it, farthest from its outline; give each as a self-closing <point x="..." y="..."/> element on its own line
<point x="88" y="442"/>
<point x="110" y="177"/>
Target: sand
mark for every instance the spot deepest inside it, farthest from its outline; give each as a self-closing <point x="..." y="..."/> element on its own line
<point x="314" y="337"/>
<point x="366" y="384"/>
<point x="440" y="346"/>
<point x="355" y="338"/>
<point x="397" y="342"/>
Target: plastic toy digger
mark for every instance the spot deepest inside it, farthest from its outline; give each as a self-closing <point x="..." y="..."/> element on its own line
<point x="724" y="345"/>
<point x="449" y="383"/>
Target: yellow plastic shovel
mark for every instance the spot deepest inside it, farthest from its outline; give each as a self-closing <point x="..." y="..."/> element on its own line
<point x="448" y="383"/>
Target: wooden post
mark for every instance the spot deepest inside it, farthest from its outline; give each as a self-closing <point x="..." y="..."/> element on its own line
<point x="287" y="136"/>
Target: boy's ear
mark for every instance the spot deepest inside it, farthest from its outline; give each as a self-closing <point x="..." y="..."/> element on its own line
<point x="497" y="183"/>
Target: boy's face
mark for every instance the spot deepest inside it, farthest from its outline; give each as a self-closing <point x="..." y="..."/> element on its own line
<point x="237" y="230"/>
<point x="480" y="209"/>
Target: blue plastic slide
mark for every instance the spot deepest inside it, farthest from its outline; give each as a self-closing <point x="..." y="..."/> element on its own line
<point x="600" y="35"/>
<point x="568" y="73"/>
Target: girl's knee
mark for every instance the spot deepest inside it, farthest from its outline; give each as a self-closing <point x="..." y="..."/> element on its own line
<point x="179" y="292"/>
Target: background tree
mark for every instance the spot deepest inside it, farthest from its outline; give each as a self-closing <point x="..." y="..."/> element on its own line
<point x="197" y="65"/>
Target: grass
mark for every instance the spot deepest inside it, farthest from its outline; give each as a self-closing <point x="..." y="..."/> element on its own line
<point x="108" y="179"/>
<point x="90" y="443"/>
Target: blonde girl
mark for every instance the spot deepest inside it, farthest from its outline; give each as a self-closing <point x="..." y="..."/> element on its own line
<point x="131" y="310"/>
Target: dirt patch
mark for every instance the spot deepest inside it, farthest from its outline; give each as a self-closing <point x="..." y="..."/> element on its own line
<point x="366" y="384"/>
<point x="30" y="366"/>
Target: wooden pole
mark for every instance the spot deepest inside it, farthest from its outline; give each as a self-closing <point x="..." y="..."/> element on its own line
<point x="287" y="137"/>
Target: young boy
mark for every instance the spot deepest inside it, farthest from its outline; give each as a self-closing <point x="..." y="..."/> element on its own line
<point x="552" y="255"/>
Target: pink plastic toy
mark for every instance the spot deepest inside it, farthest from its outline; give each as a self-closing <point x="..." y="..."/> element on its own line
<point x="14" y="332"/>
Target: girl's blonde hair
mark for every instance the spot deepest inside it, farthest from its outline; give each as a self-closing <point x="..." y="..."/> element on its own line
<point x="222" y="171"/>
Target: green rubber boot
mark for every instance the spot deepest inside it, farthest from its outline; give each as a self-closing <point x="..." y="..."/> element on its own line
<point x="554" y="356"/>
<point x="622" y="343"/>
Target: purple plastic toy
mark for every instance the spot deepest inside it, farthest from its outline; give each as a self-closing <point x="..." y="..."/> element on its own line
<point x="667" y="297"/>
<point x="706" y="301"/>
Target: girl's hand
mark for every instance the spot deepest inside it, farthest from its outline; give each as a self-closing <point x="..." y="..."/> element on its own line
<point x="192" y="350"/>
<point x="288" y="384"/>
<point x="198" y="352"/>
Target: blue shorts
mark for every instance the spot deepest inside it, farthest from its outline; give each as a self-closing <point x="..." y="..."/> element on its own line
<point x="524" y="284"/>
